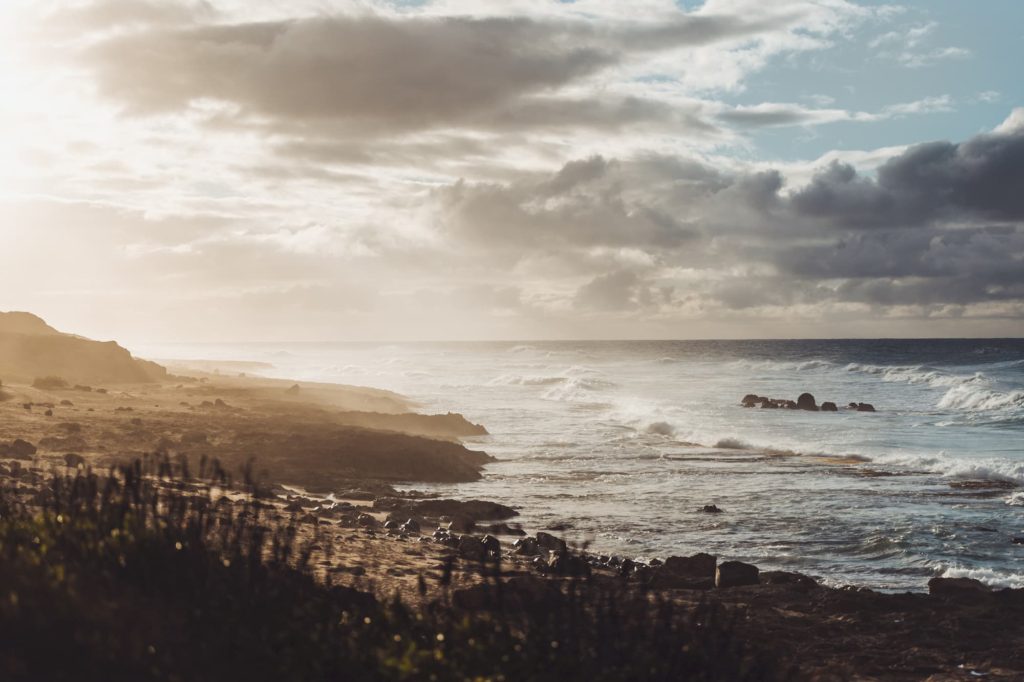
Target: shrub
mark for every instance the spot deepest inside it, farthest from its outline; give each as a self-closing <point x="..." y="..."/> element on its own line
<point x="132" y="576"/>
<point x="50" y="383"/>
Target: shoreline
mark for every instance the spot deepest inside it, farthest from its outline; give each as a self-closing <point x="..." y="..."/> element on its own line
<point x="390" y="543"/>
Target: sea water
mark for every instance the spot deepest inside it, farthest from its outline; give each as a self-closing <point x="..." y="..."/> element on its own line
<point x="625" y="442"/>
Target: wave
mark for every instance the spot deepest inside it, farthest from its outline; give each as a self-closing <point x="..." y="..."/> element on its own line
<point x="577" y="389"/>
<point x="1015" y="500"/>
<point x="968" y="397"/>
<point x="976" y="392"/>
<point x="988" y="576"/>
<point x="782" y="365"/>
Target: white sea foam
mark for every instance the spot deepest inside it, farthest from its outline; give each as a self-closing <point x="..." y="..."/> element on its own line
<point x="975" y="398"/>
<point x="1015" y="500"/>
<point x="974" y="392"/>
<point x="988" y="576"/>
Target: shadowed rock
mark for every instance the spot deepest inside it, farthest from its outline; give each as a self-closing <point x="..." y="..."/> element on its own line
<point x="736" y="574"/>
<point x="806" y="402"/>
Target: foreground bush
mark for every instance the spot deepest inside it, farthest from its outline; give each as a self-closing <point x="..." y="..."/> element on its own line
<point x="143" y="575"/>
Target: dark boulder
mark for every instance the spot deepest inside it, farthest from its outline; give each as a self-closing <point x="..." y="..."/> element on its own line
<point x="806" y="402"/>
<point x="749" y="400"/>
<point x="461" y="524"/>
<point x="736" y="574"/>
<point x="491" y="545"/>
<point x="700" y="565"/>
<point x="526" y="547"/>
<point x="957" y="588"/>
<point x="865" y="407"/>
<point x="567" y="564"/>
<point x="787" y="578"/>
<point x="19" y="449"/>
<point x="548" y="541"/>
<point x="74" y="460"/>
<point x="411" y="526"/>
<point x="711" y="509"/>
<point x="829" y="407"/>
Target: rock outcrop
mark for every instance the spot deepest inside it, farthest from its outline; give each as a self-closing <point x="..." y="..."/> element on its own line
<point x="30" y="349"/>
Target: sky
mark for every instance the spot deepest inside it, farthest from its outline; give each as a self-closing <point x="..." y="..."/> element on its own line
<point x="330" y="170"/>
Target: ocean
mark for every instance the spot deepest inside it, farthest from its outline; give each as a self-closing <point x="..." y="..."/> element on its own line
<point x="625" y="442"/>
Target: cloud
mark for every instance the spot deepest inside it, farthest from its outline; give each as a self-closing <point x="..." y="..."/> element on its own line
<point x="908" y="47"/>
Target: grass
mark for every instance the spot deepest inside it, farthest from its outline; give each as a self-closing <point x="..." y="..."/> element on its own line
<point x="145" y="574"/>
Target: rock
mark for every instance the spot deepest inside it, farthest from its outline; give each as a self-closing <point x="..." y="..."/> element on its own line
<point x="700" y="565"/>
<point x="461" y="524"/>
<point x="806" y="402"/>
<point x="736" y="574"/>
<point x="526" y="547"/>
<point x="19" y="449"/>
<point x="865" y="407"/>
<point x="787" y="578"/>
<point x="548" y="541"/>
<point x="66" y="403"/>
<point x="829" y="407"/>
<point x="749" y="400"/>
<point x="471" y="548"/>
<point x="852" y="406"/>
<point x="568" y="564"/>
<point x="74" y="460"/>
<point x="367" y="521"/>
<point x="769" y="405"/>
<point x="491" y="545"/>
<point x="953" y="588"/>
<point x="711" y="509"/>
<point x="411" y="526"/>
<point x="48" y="413"/>
<point x="391" y="524"/>
<point x="293" y="507"/>
<point x="293" y="390"/>
<point x="1018" y="541"/>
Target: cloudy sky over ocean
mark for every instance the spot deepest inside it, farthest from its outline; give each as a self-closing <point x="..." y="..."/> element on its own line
<point x="517" y="169"/>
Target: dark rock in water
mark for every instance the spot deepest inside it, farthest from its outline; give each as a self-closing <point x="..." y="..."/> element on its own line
<point x="787" y="578"/>
<point x="656" y="562"/>
<point x="697" y="566"/>
<point x="736" y="574"/>
<point x="791" y="405"/>
<point x="711" y="509"/>
<point x="548" y="541"/>
<point x="74" y="460"/>
<point x="769" y="405"/>
<point x="749" y="400"/>
<point x="829" y="407"/>
<point x="852" y="406"/>
<point x="806" y="402"/>
<point x="954" y="588"/>
<point x="865" y="407"/>
<point x="526" y="547"/>
<point x="1018" y="541"/>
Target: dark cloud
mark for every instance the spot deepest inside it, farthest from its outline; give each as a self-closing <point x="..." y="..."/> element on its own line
<point x="979" y="179"/>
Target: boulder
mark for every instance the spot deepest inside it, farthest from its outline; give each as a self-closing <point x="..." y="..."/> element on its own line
<point x="806" y="402"/>
<point x="411" y="526"/>
<point x="74" y="460"/>
<point x="711" y="509"/>
<point x="491" y="545"/>
<point x="471" y="548"/>
<point x="19" y="449"/>
<point x="736" y="574"/>
<point x="865" y="407"/>
<point x="461" y="524"/>
<point x="749" y="400"/>
<point x="548" y="541"/>
<point x="829" y="407"/>
<point x="957" y="588"/>
<point x="700" y="565"/>
<point x="526" y="547"/>
<point x="787" y="578"/>
<point x="567" y="564"/>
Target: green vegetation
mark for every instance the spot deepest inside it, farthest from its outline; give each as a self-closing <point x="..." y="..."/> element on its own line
<point x="144" y="574"/>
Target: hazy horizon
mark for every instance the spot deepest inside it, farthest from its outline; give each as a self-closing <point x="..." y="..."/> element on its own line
<point x="403" y="170"/>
